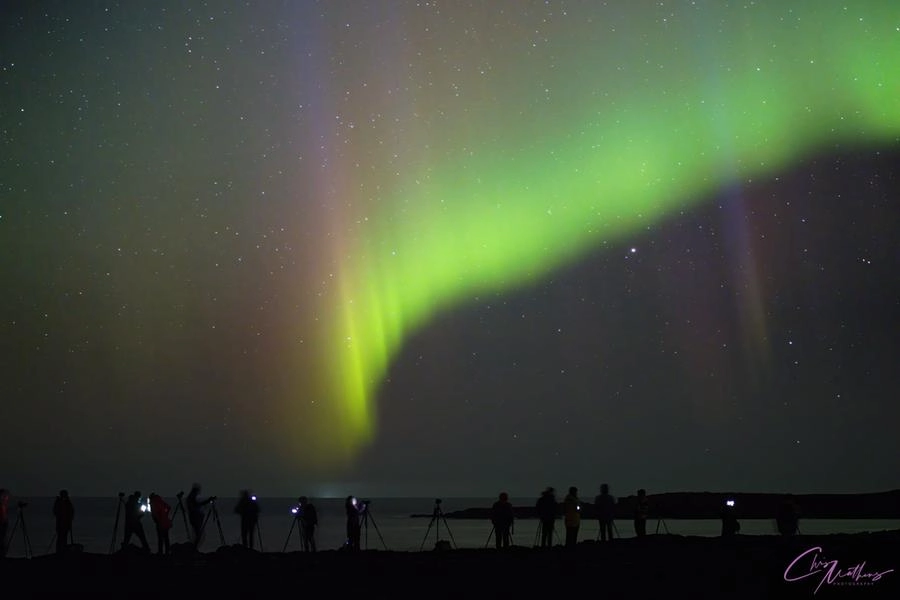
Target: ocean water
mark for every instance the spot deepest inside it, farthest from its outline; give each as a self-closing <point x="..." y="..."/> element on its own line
<point x="390" y="525"/>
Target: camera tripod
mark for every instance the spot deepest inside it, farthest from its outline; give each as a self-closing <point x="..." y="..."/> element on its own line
<point x="259" y="536"/>
<point x="20" y="518"/>
<point x="297" y="522"/>
<point x="437" y="516"/>
<point x="366" y="517"/>
<point x="214" y="514"/>
<point x="493" y="531"/>
<point x="615" y="530"/>
<point x="112" y="543"/>
<point x="254" y="531"/>
<point x="662" y="521"/>
<point x="538" y="534"/>
<point x="71" y="540"/>
<point x="180" y="508"/>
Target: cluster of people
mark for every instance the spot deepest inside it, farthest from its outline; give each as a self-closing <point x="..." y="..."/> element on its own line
<point x="135" y="507"/>
<point x="63" y="513"/>
<point x="160" y="512"/>
<point x="548" y="509"/>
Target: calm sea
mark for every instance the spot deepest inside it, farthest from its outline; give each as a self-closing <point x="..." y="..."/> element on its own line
<point x="390" y="525"/>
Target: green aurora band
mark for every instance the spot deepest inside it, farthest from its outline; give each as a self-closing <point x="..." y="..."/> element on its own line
<point x="746" y="97"/>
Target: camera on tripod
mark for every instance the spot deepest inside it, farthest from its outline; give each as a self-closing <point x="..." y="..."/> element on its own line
<point x="297" y="509"/>
<point x="437" y="515"/>
<point x="22" y="504"/>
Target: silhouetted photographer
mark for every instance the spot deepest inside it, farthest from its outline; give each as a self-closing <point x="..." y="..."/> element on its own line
<point x="310" y="519"/>
<point x="572" y="516"/>
<point x="248" y="510"/>
<point x="352" y="509"/>
<point x="64" y="514"/>
<point x="195" y="511"/>
<point x="641" y="512"/>
<point x="134" y="512"/>
<point x="605" y="505"/>
<point x="502" y="519"/>
<point x="788" y="517"/>
<point x="159" y="511"/>
<point x="547" y="508"/>
<point x="730" y="523"/>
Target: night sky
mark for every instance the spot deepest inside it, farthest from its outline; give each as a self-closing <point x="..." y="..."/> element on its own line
<point x="447" y="248"/>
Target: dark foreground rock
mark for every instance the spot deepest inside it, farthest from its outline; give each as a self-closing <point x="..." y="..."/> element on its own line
<point x="658" y="566"/>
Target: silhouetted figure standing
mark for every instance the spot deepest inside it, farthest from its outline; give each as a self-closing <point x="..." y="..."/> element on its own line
<point x="64" y="513"/>
<point x="195" y="511"/>
<point x="502" y="519"/>
<point x="788" y="517"/>
<point x="351" y="507"/>
<point x="572" y="515"/>
<point x="605" y="505"/>
<point x="546" y="512"/>
<point x="310" y="520"/>
<point x="4" y="520"/>
<point x="248" y="509"/>
<point x="134" y="512"/>
<point x="730" y="524"/>
<point x="159" y="512"/>
<point x="641" y="512"/>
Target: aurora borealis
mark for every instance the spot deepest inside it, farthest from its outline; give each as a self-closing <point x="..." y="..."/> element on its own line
<point x="234" y="230"/>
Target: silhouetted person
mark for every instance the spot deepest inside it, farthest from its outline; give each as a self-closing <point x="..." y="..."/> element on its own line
<point x="730" y="524"/>
<point x="572" y="515"/>
<point x="4" y="520"/>
<point x="605" y="505"/>
<point x="546" y="512"/>
<point x="351" y="507"/>
<point x="134" y="512"/>
<point x="195" y="511"/>
<point x="641" y="512"/>
<point x="788" y="517"/>
<point x="64" y="513"/>
<point x="159" y="511"/>
<point x="310" y="520"/>
<point x="248" y="509"/>
<point x="502" y="519"/>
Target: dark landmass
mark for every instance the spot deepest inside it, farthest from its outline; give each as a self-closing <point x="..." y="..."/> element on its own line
<point x="657" y="566"/>
<point x="708" y="505"/>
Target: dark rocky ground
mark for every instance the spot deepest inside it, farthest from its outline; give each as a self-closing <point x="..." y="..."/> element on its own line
<point x="657" y="566"/>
